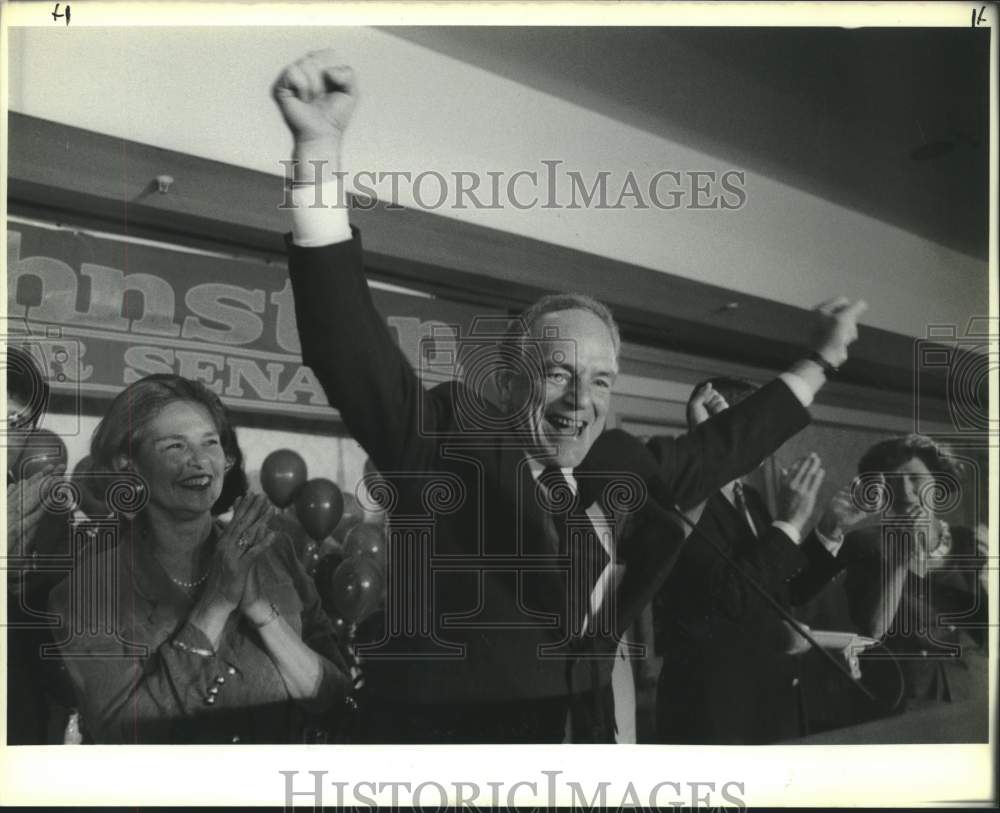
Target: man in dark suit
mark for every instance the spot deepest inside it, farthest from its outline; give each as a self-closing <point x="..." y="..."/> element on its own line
<point x="730" y="675"/>
<point x="513" y="568"/>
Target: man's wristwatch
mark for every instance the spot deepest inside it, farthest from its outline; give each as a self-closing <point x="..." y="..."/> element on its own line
<point x="828" y="369"/>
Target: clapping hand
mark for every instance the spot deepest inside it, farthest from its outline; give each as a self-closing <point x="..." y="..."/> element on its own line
<point x="705" y="402"/>
<point x="841" y="513"/>
<point x="242" y="543"/>
<point x="799" y="487"/>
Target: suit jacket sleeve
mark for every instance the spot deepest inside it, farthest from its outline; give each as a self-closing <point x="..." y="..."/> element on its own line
<point x="730" y="444"/>
<point x="873" y="584"/>
<point x="775" y="553"/>
<point x="770" y="560"/>
<point x="820" y="566"/>
<point x="358" y="363"/>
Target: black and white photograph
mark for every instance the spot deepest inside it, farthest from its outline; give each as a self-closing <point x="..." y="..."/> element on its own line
<point x="419" y="394"/>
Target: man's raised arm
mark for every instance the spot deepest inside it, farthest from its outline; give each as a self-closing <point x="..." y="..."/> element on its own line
<point x="735" y="441"/>
<point x="344" y="338"/>
<point x="316" y="96"/>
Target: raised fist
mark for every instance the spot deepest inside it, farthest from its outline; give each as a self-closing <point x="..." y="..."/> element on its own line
<point x="316" y="95"/>
<point x="837" y="328"/>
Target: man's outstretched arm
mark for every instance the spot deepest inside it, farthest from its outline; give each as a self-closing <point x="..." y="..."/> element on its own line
<point x="732" y="443"/>
<point x="344" y="339"/>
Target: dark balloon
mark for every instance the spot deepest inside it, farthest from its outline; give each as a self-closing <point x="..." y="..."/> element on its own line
<point x="323" y="577"/>
<point x="353" y="515"/>
<point x="319" y="506"/>
<point x="287" y="525"/>
<point x="328" y="563"/>
<point x="41" y="448"/>
<point x="356" y="589"/>
<point x="368" y="541"/>
<point x="282" y="473"/>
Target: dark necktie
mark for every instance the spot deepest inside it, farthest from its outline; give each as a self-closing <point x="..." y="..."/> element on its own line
<point x="740" y="501"/>
<point x="588" y="559"/>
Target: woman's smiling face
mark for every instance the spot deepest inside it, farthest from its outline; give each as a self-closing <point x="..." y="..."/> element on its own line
<point x="181" y="458"/>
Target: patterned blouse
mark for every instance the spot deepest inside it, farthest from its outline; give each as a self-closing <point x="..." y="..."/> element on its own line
<point x="142" y="674"/>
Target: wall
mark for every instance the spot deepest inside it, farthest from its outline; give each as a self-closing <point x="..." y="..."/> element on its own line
<point x="205" y="92"/>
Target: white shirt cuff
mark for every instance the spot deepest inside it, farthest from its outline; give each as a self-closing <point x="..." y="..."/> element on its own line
<point x="319" y="225"/>
<point x="789" y="530"/>
<point x="832" y="546"/>
<point x="800" y="389"/>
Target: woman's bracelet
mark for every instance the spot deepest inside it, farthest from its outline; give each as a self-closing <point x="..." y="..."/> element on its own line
<point x="273" y="615"/>
<point x="194" y="650"/>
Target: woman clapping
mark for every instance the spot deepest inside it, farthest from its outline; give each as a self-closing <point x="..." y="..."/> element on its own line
<point x="187" y="630"/>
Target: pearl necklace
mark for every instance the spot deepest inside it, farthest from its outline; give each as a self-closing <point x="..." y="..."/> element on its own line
<point x="182" y="584"/>
<point x="187" y="585"/>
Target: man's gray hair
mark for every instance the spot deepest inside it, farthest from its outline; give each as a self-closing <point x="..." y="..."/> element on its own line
<point x="551" y="303"/>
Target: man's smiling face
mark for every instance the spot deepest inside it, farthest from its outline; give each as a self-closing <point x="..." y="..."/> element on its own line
<point x="567" y="410"/>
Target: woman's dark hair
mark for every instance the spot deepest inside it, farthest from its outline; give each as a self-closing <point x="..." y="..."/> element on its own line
<point x="26" y="381"/>
<point x="122" y="428"/>
<point x="888" y="455"/>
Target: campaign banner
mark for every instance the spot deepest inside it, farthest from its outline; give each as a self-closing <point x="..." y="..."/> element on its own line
<point x="100" y="311"/>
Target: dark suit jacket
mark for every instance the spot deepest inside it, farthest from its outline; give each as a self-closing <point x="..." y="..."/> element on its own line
<point x="726" y="678"/>
<point x="485" y="625"/>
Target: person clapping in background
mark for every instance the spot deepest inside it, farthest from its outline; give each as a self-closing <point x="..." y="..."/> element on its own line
<point x="912" y="582"/>
<point x="730" y="673"/>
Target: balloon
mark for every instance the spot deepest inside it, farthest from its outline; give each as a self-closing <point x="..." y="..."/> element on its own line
<point x="355" y="589"/>
<point x="319" y="506"/>
<point x="91" y="487"/>
<point x="353" y="515"/>
<point x="287" y="525"/>
<point x="41" y="448"/>
<point x="281" y="474"/>
<point x="331" y="545"/>
<point x="368" y="541"/>
<point x="323" y="577"/>
<point x="328" y="563"/>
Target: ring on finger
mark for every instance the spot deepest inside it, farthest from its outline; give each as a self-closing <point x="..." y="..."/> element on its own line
<point x="243" y="543"/>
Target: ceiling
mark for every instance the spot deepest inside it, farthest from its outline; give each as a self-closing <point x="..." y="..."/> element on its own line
<point x="889" y="122"/>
